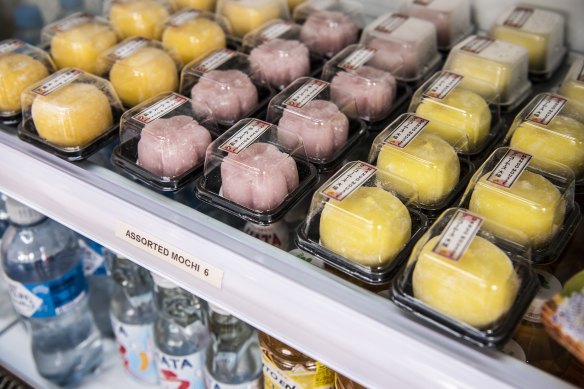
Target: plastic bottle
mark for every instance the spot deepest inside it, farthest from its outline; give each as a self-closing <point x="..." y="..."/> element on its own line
<point x="234" y="357"/>
<point x="4" y="222"/>
<point x="133" y="314"/>
<point x="48" y="289"/>
<point x="6" y="311"/>
<point x="28" y="21"/>
<point x="181" y="336"/>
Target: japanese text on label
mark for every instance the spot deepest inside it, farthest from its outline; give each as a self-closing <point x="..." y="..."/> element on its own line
<point x="214" y="61"/>
<point x="547" y="109"/>
<point x="518" y="17"/>
<point x="349" y="181"/>
<point x="391" y="23"/>
<point x="10" y="45"/>
<point x="275" y="30"/>
<point x="305" y="93"/>
<point x="57" y="81"/>
<point x="509" y="168"/>
<point x="406" y="131"/>
<point x="356" y="59"/>
<point x="457" y="235"/>
<point x="245" y="136"/>
<point x="477" y="44"/>
<point x="72" y="22"/>
<point x="182" y="17"/>
<point x="443" y="85"/>
<point x="128" y="48"/>
<point x="160" y="108"/>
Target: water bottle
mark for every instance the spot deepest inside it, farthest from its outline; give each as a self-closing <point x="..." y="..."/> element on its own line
<point x="181" y="336"/>
<point x="6" y="310"/>
<point x="234" y="358"/>
<point x="4" y="222"/>
<point x="28" y="21"/>
<point x="133" y="315"/>
<point x="48" y="289"/>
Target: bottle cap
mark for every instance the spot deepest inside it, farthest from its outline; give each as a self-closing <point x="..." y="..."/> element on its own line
<point x="219" y="310"/>
<point x="162" y="281"/>
<point x="19" y="213"/>
<point x="549" y="287"/>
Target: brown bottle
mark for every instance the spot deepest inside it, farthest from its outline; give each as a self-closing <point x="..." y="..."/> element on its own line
<point x="342" y="382"/>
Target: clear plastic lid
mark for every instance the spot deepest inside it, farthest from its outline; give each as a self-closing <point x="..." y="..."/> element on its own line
<point x="421" y="159"/>
<point x="358" y="226"/>
<point x="467" y="281"/>
<point x="511" y="190"/>
<point x="194" y="33"/>
<point x="247" y="15"/>
<point x="203" y="5"/>
<point x="225" y="82"/>
<point x="78" y="40"/>
<point x="403" y="41"/>
<point x="495" y="63"/>
<point x="277" y="55"/>
<point x="308" y="109"/>
<point x="21" y="65"/>
<point x="551" y="127"/>
<point x="540" y="31"/>
<point x="70" y="113"/>
<point x="256" y="171"/>
<point x="457" y="113"/>
<point x="163" y="140"/>
<point x="328" y="26"/>
<point x="573" y="84"/>
<point x="140" y="68"/>
<point x="143" y="18"/>
<point x="452" y="18"/>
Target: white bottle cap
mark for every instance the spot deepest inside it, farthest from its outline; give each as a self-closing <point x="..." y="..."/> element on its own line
<point x="219" y="310"/>
<point x="549" y="287"/>
<point x="19" y="213"/>
<point x="162" y="281"/>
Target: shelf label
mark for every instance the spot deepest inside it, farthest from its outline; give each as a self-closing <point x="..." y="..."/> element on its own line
<point x="214" y="61"/>
<point x="305" y="93"/>
<point x="477" y="44"/>
<point x="245" y="136"/>
<point x="406" y="131"/>
<point x="10" y="45"/>
<point x="352" y="179"/>
<point x="174" y="256"/>
<point x="391" y="23"/>
<point x="457" y="235"/>
<point x="182" y="17"/>
<point x="275" y="30"/>
<point x="356" y="59"/>
<point x="57" y="81"/>
<point x="518" y="17"/>
<point x="128" y="48"/>
<point x="160" y="108"/>
<point x="546" y="110"/>
<point x="509" y="168"/>
<point x="443" y="85"/>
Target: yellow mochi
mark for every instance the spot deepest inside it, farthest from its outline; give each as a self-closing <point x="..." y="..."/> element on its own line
<point x="562" y="140"/>
<point x="80" y="46"/>
<point x="573" y="90"/>
<point x="17" y="72"/>
<point x="73" y="115"/>
<point x="194" y="38"/>
<point x="462" y="118"/>
<point x="138" y="18"/>
<point x="427" y="162"/>
<point x="370" y="227"/>
<point x="477" y="289"/>
<point x="533" y="206"/>
<point x="144" y="74"/>
<point x="482" y="75"/>
<point x="536" y="44"/>
<point x="205" y="5"/>
<point x="245" y="17"/>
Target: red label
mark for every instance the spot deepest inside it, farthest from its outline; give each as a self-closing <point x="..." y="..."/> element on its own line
<point x="477" y="44"/>
<point x="509" y="168"/>
<point x="457" y="235"/>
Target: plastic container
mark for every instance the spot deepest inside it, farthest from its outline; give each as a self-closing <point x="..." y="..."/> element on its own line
<point x="256" y="171"/>
<point x="21" y="65"/>
<point x="512" y="191"/>
<point x="278" y="56"/>
<point x="452" y="18"/>
<point x="467" y="282"/>
<point x="328" y="26"/>
<point x="194" y="33"/>
<point x="424" y="160"/>
<point x="225" y="81"/>
<point x="458" y="114"/>
<point x="573" y="84"/>
<point x="78" y="40"/>
<point x="71" y="114"/>
<point x="407" y="42"/>
<point x="358" y="227"/>
<point x="377" y="93"/>
<point x="247" y="15"/>
<point x="143" y="18"/>
<point x="495" y="63"/>
<point x="540" y="31"/>
<point x="140" y="68"/>
<point x="327" y="131"/>
<point x="203" y="5"/>
<point x="163" y="141"/>
<point x="551" y="127"/>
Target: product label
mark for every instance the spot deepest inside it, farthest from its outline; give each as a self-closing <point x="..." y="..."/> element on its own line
<point x="128" y="48"/>
<point x="275" y="30"/>
<point x="457" y="235"/>
<point x="184" y="261"/>
<point x="406" y="131"/>
<point x="72" y="22"/>
<point x="10" y="45"/>
<point x="477" y="44"/>
<point x="160" y="108"/>
<point x="275" y="234"/>
<point x="137" y="350"/>
<point x="356" y="59"/>
<point x="245" y="136"/>
<point x="51" y="298"/>
<point x="274" y="378"/>
<point x="212" y="383"/>
<point x="391" y="23"/>
<point x="214" y="61"/>
<point x="568" y="317"/>
<point x="509" y="168"/>
<point x="181" y="372"/>
<point x="182" y="17"/>
<point x="57" y="81"/>
<point x="93" y="257"/>
<point x="547" y="109"/>
<point x="518" y="17"/>
<point x="305" y="93"/>
<point x="549" y="286"/>
<point x="443" y="85"/>
<point x="351" y="180"/>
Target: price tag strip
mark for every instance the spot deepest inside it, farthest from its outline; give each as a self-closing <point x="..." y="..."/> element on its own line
<point x="457" y="235"/>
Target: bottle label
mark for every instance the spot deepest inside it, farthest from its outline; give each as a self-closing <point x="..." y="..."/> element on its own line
<point x="391" y="23"/>
<point x="274" y="378"/>
<point x="357" y="59"/>
<point x="457" y="235"/>
<point x="549" y="286"/>
<point x="245" y="136"/>
<point x="443" y="85"/>
<point x="477" y="44"/>
<point x="348" y="182"/>
<point x="160" y="108"/>
<point x="509" y="168"/>
<point x="305" y="93"/>
<point x="546" y="110"/>
<point x="137" y="350"/>
<point x="51" y="298"/>
<point x="275" y="30"/>
<point x="181" y="372"/>
<point x="10" y="45"/>
<point x="215" y="60"/>
<point x="518" y="17"/>
<point x="93" y="256"/>
<point x="212" y="383"/>
<point x="406" y="131"/>
<point x="57" y="81"/>
<point x="182" y="17"/>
